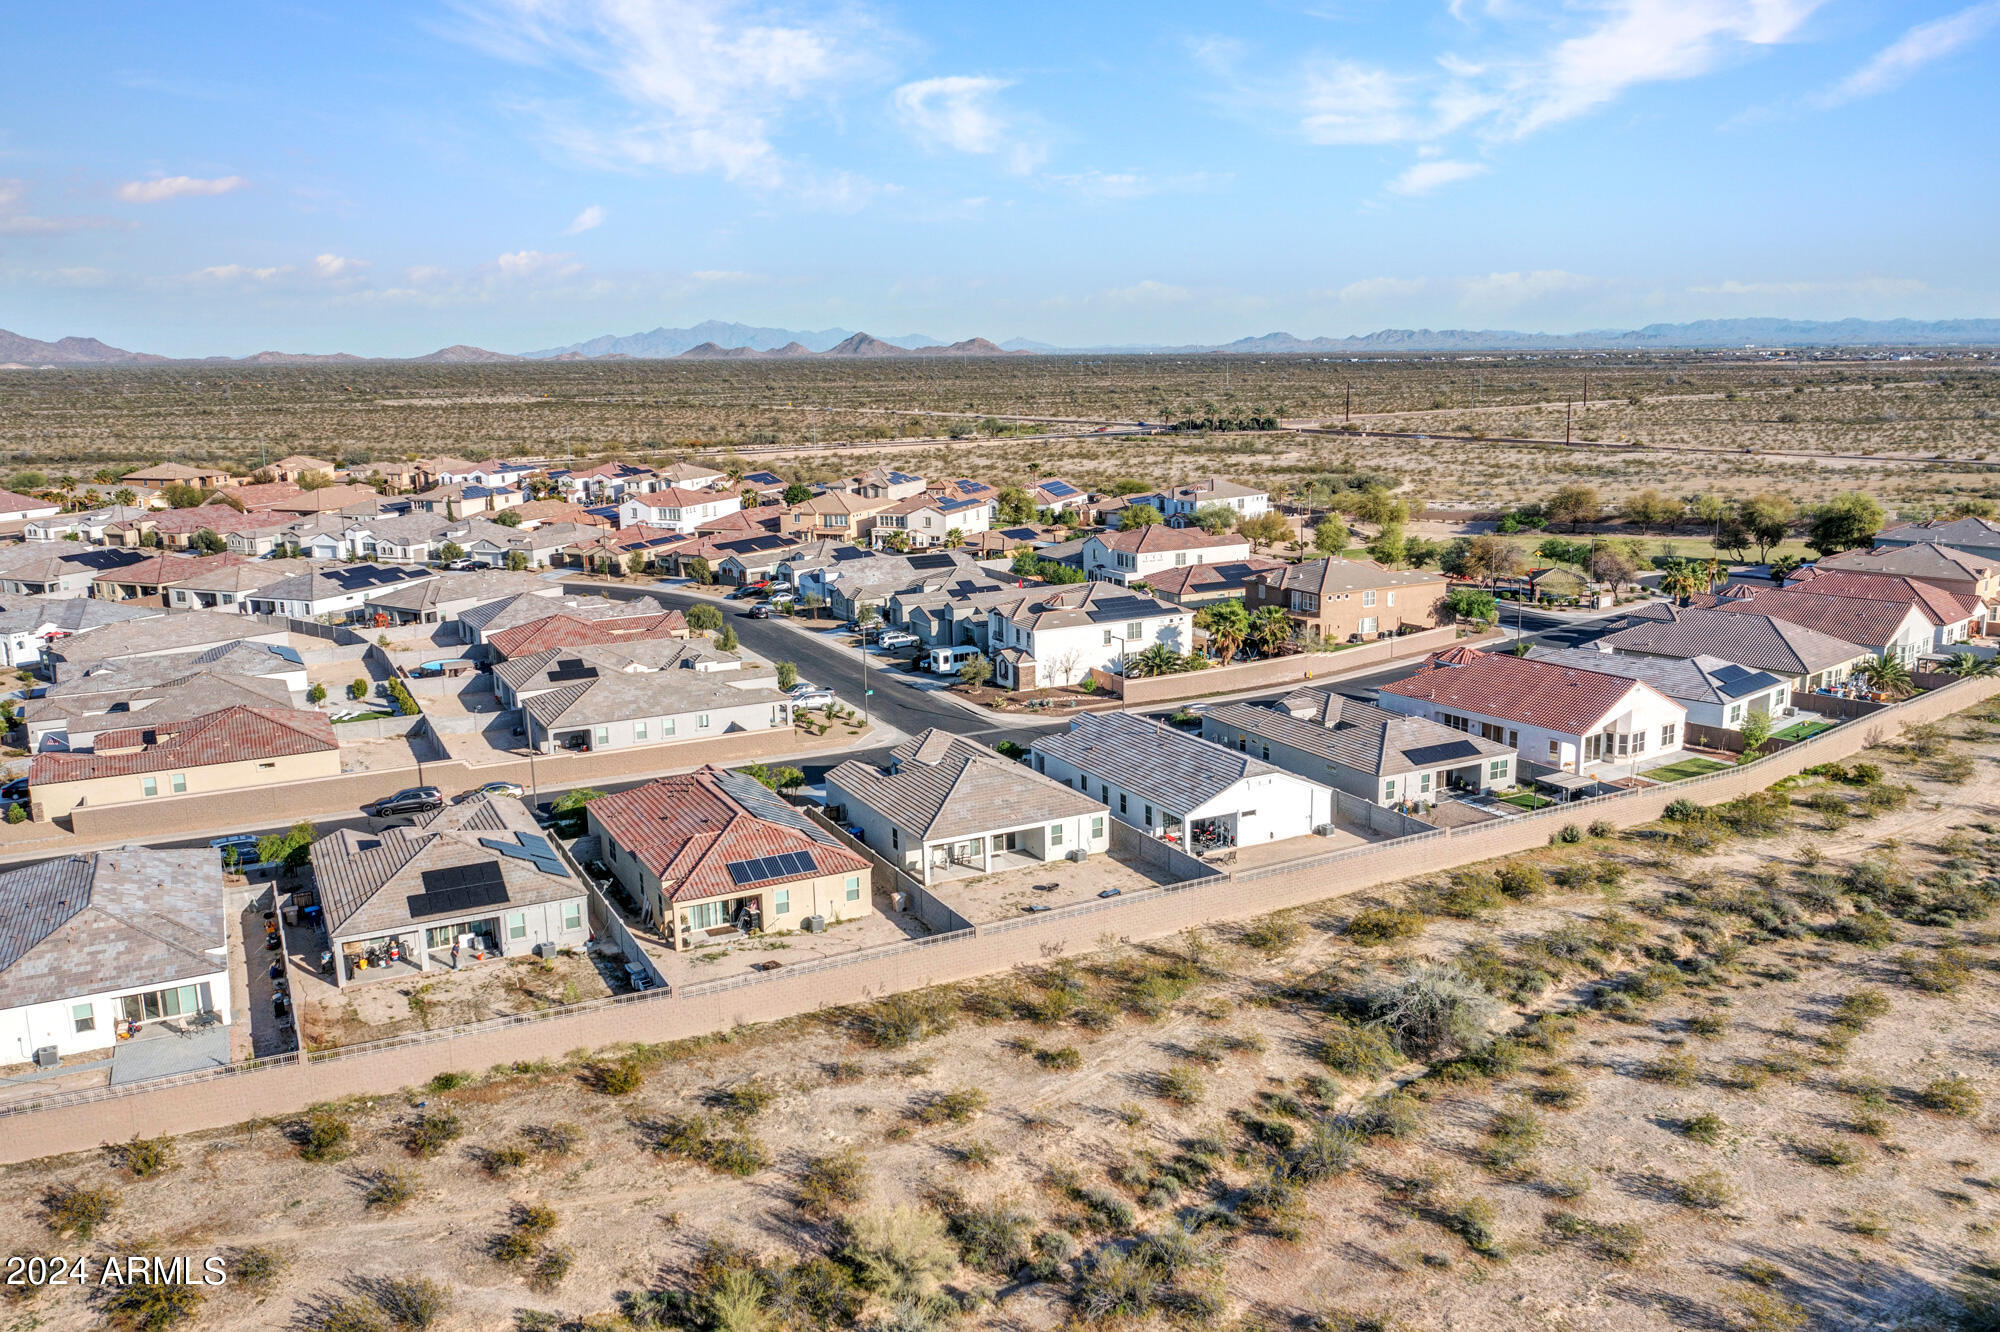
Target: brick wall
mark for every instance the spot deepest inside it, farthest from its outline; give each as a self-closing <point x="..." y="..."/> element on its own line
<point x="69" y="1122"/>
<point x="1297" y="669"/>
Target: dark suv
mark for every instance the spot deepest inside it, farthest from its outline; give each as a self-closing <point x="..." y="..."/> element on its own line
<point x="415" y="800"/>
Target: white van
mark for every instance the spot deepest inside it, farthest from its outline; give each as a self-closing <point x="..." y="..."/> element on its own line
<point x="947" y="660"/>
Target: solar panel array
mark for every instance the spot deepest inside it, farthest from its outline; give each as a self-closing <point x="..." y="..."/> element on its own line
<point x="1443" y="753"/>
<point x="765" y="868"/>
<point x="1062" y="488"/>
<point x="458" y="889"/>
<point x="533" y="848"/>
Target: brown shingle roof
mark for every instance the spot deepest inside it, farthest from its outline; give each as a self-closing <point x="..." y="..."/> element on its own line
<point x="229" y="736"/>
<point x="946" y="786"/>
<point x="689" y="828"/>
<point x="1555" y="698"/>
<point x="1158" y="537"/>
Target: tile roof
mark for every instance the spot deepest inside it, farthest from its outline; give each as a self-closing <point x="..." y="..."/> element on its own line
<point x="1214" y="487"/>
<point x="495" y="616"/>
<point x="1760" y="642"/>
<point x="677" y="497"/>
<point x="299" y="462"/>
<point x="940" y="785"/>
<point x="1330" y="577"/>
<point x="1176" y="771"/>
<point x="1357" y="735"/>
<point x="12" y="501"/>
<point x="551" y="665"/>
<point x="1942" y="605"/>
<point x="1194" y="579"/>
<point x="157" y="706"/>
<point x="371" y="882"/>
<point x="341" y="580"/>
<point x="1067" y="604"/>
<point x="1160" y="537"/>
<point x="689" y="828"/>
<point x="478" y="585"/>
<point x="1936" y="563"/>
<point x="1872" y="623"/>
<point x="1709" y="680"/>
<point x="230" y="735"/>
<point x="1499" y="684"/>
<point x="181" y="631"/>
<point x="614" y="695"/>
<point x="71" y="615"/>
<point x="172" y="471"/>
<point x="113" y="920"/>
<point x="169" y="668"/>
<point x="166" y="568"/>
<point x="329" y="499"/>
<point x="1979" y="532"/>
<point x="555" y="511"/>
<point x="258" y="494"/>
<point x="239" y="575"/>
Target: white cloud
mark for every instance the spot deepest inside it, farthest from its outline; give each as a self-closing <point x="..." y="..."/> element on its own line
<point x="1866" y="286"/>
<point x="724" y="276"/>
<point x="1346" y="103"/>
<point x="702" y="85"/>
<point x="419" y="274"/>
<point x="1423" y="177"/>
<point x="961" y="113"/>
<point x="178" y="187"/>
<point x="1148" y="292"/>
<point x="239" y="272"/>
<point x="1507" y="290"/>
<point x="16" y="221"/>
<point x="534" y="263"/>
<point x="333" y="265"/>
<point x="1372" y="290"/>
<point x="1912" y="51"/>
<point x="589" y="219"/>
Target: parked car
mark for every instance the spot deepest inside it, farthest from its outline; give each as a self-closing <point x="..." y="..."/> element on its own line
<point x="14" y="792"/>
<point x="498" y="790"/>
<point x="413" y="800"/>
<point x="812" y="698"/>
<point x="898" y="638"/>
<point x="245" y="847"/>
<point x="780" y="599"/>
<point x="743" y="593"/>
<point x="759" y="612"/>
<point x="462" y="565"/>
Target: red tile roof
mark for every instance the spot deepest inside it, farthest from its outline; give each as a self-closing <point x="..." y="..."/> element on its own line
<point x="231" y="735"/>
<point x="165" y="568"/>
<point x="260" y="495"/>
<point x="556" y="511"/>
<point x="12" y="501"/>
<point x="1499" y="684"/>
<point x="1158" y="536"/>
<point x="561" y="631"/>
<point x="689" y="828"/>
<point x="1942" y="605"/>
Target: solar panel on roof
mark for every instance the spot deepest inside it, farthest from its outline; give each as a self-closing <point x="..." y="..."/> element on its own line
<point x="1444" y="753"/>
<point x="1059" y="487"/>
<point x="765" y="868"/>
<point x="535" y="850"/>
<point x="459" y="888"/>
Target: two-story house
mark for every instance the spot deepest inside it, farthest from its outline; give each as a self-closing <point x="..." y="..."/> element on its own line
<point x="1341" y="600"/>
<point x="932" y="520"/>
<point x="1053" y="636"/>
<point x="1177" y="504"/>
<point x="676" y="509"/>
<point x="1129" y="555"/>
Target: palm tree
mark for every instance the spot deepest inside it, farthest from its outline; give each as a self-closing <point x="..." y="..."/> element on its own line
<point x="1158" y="659"/>
<point x="1966" y="663"/>
<point x="1226" y="623"/>
<point x="1683" y="580"/>
<point x="1885" y="675"/>
<point x="1270" y="629"/>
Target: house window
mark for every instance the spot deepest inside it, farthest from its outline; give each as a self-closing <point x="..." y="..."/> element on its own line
<point x="517" y="924"/>
<point x="83" y="1017"/>
<point x="1555" y="752"/>
<point x="1668" y="733"/>
<point x="1107" y="638"/>
<point x="701" y="722"/>
<point x="666" y="728"/>
<point x="1121" y="804"/>
<point x="181" y="1001"/>
<point x="1055" y="834"/>
<point x="1513" y="739"/>
<point x="1149" y="816"/>
<point x="572" y="915"/>
<point x="1134" y="632"/>
<point x="638" y="730"/>
<point x="1096" y="827"/>
<point x="149" y="786"/>
<point x="1424" y="782"/>
<point x="604" y="735"/>
<point x="782" y="902"/>
<point x="854" y="887"/>
<point x="1389" y="790"/>
<point x="1392" y="598"/>
<point x="1369" y="624"/>
<point x="1638" y="742"/>
<point x="1368" y="598"/>
<point x="180" y="783"/>
<point x="895" y="839"/>
<point x="1496" y="770"/>
<point x="1735" y="713"/>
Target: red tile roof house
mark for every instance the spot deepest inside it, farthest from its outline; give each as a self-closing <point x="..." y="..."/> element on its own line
<point x="1954" y="611"/>
<point x="1578" y="721"/>
<point x="1131" y="555"/>
<point x="235" y="749"/>
<point x="1899" y="629"/>
<point x="568" y="631"/>
<point x="149" y="579"/>
<point x="710" y="854"/>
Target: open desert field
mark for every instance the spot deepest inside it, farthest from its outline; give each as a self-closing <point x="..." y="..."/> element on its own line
<point x="1909" y="431"/>
<point x="1731" y="1071"/>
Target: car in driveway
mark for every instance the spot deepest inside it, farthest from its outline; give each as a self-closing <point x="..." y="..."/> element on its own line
<point x="410" y="800"/>
<point x="811" y="696"/>
<point x="898" y="638"/>
<point x="243" y="845"/>
<point x="498" y="790"/>
<point x="745" y="592"/>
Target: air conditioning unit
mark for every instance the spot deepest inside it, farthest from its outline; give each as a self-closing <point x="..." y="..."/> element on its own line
<point x="814" y="924"/>
<point x="1324" y="830"/>
<point x="47" y="1057"/>
<point x="1079" y="855"/>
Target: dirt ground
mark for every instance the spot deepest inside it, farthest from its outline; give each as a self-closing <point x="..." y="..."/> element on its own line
<point x="371" y="1010"/>
<point x="1564" y="1177"/>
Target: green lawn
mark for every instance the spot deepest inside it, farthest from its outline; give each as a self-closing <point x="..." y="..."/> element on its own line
<point x="1526" y="800"/>
<point x="1800" y="730"/>
<point x="1687" y="767"/>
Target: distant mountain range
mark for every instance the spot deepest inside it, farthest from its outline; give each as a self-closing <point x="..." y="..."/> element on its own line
<point x="715" y="340"/>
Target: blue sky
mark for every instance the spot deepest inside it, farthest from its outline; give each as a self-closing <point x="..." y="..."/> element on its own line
<point x="387" y="178"/>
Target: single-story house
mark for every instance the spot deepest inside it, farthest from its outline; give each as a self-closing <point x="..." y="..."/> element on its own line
<point x="1806" y="659"/>
<point x="215" y="585"/>
<point x="473" y="881"/>
<point x="450" y="595"/>
<point x="1053" y="494"/>
<point x="149" y="578"/>
<point x="1976" y="536"/>
<point x="30" y="624"/>
<point x="339" y="590"/>
<point x="39" y="569"/>
<point x="946" y="807"/>
<point x="483" y="621"/>
<point x="235" y="749"/>
<point x="570" y="631"/>
<point x="1902" y="630"/>
<point x="85" y="524"/>
<point x="1585" y="722"/>
<point x="16" y="507"/>
<point x="106" y="944"/>
<point x="73" y="722"/>
<point x="657" y="691"/>
<point x="1955" y="614"/>
<point x="1383" y="757"/>
<point x="1717" y="694"/>
<point x="1948" y="567"/>
<point x="129" y="682"/>
<point x="1180" y="787"/>
<point x="711" y="854"/>
<point x="180" y="633"/>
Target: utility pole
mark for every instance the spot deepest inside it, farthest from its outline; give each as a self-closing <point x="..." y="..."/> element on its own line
<point x="1347" y="417"/>
<point x="1569" y="409"/>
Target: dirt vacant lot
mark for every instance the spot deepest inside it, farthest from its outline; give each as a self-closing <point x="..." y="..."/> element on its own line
<point x="1732" y="1071"/>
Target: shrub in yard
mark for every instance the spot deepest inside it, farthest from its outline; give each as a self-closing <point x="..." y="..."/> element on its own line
<point x="1272" y="934"/>
<point x="1521" y="880"/>
<point x="68" y="1210"/>
<point x="1869" y="929"/>
<point x="1181" y="1085"/>
<point x="1950" y="1096"/>
<point x="415" y="1303"/>
<point x="1602" y="828"/>
<point x="1569" y="834"/>
<point x="899" y="1252"/>
<point x="991" y="1237"/>
<point x="1705" y="1128"/>
<point x="1466" y="895"/>
<point x="1384" y="924"/>
<point x="150" y="1306"/>
<point x="322" y="1136"/>
<point x="696" y="1138"/>
<point x="1327" y="1151"/>
<point x="832" y="1183"/>
<point x="1354" y="1048"/>
<point x="618" y="1079"/>
<point x="432" y="1131"/>
<point x="904" y="1019"/>
<point x="390" y="1189"/>
<point x="145" y="1157"/>
<point x="1434" y="1010"/>
<point x="1707" y="1191"/>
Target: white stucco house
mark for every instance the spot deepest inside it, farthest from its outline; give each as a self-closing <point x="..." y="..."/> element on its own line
<point x="1716" y="693"/>
<point x="1177" y="504"/>
<point x="1180" y="787"/>
<point x="1589" y="723"/>
<point x="677" y="509"/>
<point x="929" y="520"/>
<point x="1053" y="636"/>
<point x="1128" y="555"/>
<point x="111" y="942"/>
